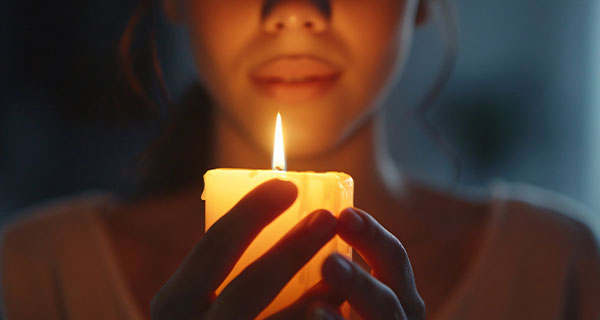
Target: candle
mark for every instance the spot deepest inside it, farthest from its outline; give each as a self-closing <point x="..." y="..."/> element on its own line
<point x="333" y="191"/>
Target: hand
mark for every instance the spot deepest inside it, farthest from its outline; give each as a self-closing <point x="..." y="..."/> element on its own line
<point x="190" y="293"/>
<point x="389" y="292"/>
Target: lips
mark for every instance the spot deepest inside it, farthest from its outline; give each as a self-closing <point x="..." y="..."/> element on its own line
<point x="295" y="77"/>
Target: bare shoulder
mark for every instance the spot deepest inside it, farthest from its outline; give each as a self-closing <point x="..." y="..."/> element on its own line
<point x="551" y="237"/>
<point x="38" y="226"/>
<point x="547" y="213"/>
<point x="522" y="210"/>
<point x="38" y="248"/>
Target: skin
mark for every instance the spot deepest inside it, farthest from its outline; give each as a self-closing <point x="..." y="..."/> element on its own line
<point x="338" y="131"/>
<point x="369" y="53"/>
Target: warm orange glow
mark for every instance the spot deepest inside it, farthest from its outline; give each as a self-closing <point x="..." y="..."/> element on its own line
<point x="278" y="150"/>
<point x="332" y="191"/>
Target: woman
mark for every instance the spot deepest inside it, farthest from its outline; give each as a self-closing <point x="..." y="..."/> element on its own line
<point x="326" y="65"/>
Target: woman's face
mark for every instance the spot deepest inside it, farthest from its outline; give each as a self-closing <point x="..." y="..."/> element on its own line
<point x="323" y="64"/>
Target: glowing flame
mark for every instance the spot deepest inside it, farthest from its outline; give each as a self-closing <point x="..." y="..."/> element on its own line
<point x="278" y="154"/>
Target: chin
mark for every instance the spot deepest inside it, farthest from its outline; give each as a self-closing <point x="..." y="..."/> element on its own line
<point x="310" y="128"/>
<point x="309" y="140"/>
<point x="302" y="140"/>
<point x="309" y="149"/>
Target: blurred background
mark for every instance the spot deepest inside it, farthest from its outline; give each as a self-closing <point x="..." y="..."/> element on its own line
<point x="522" y="103"/>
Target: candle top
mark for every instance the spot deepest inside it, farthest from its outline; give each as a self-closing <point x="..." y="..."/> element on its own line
<point x="244" y="179"/>
<point x="275" y="173"/>
<point x="249" y="178"/>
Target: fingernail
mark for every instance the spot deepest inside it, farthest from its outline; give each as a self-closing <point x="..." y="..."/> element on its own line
<point x="322" y="223"/>
<point x="321" y="314"/>
<point x="351" y="220"/>
<point x="337" y="269"/>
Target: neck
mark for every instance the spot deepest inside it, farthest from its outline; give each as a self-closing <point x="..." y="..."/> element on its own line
<point x="361" y="156"/>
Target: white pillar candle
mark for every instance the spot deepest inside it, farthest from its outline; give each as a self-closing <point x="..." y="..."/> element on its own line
<point x="332" y="191"/>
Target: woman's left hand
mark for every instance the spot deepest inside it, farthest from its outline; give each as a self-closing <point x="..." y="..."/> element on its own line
<point x="388" y="292"/>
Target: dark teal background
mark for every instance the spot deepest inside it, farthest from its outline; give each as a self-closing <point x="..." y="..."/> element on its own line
<point x="520" y="104"/>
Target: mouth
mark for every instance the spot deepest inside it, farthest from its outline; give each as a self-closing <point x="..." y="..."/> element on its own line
<point x="295" y="78"/>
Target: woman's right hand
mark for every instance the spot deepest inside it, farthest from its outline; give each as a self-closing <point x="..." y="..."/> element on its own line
<point x="190" y="293"/>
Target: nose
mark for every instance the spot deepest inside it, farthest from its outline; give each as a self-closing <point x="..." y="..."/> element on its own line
<point x="295" y="15"/>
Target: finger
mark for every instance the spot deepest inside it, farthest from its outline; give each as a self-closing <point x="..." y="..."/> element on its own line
<point x="319" y="294"/>
<point x="370" y="298"/>
<point x="260" y="282"/>
<point x="384" y="253"/>
<point x="211" y="260"/>
<point x="321" y="311"/>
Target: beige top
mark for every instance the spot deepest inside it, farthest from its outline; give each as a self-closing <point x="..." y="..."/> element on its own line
<point x="535" y="263"/>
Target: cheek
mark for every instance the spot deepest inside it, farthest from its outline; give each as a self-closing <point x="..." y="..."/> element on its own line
<point x="219" y="30"/>
<point x="376" y="44"/>
<point x="225" y="36"/>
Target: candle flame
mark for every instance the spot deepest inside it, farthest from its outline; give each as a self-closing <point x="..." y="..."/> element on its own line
<point x="278" y="151"/>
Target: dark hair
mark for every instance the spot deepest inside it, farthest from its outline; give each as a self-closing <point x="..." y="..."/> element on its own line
<point x="176" y="159"/>
<point x="450" y="35"/>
